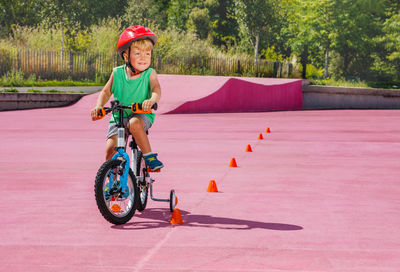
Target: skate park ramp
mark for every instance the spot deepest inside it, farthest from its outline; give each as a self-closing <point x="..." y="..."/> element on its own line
<point x="211" y="94"/>
<point x="318" y="193"/>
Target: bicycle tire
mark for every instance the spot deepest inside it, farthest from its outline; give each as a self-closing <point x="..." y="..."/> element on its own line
<point x="106" y="206"/>
<point x="143" y="187"/>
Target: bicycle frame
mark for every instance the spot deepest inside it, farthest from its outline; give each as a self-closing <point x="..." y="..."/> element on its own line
<point x="121" y="149"/>
<point x="131" y="162"/>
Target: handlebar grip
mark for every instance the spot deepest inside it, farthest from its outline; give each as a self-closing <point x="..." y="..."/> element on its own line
<point x="137" y="108"/>
<point x="101" y="114"/>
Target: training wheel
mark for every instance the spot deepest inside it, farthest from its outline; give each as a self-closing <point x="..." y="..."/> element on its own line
<point x="173" y="200"/>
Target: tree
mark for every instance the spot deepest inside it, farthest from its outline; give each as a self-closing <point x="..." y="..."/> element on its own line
<point x="199" y="22"/>
<point x="338" y="34"/>
<point x="323" y="26"/>
<point x="311" y="27"/>
<point x="392" y="42"/>
<point x="356" y="27"/>
<point x="55" y="12"/>
<point x="223" y="24"/>
<point x="76" y="16"/>
<point x="178" y="13"/>
<point x="300" y="37"/>
<point x="18" y="12"/>
<point x="147" y="12"/>
<point x="279" y="42"/>
<point x="255" y="19"/>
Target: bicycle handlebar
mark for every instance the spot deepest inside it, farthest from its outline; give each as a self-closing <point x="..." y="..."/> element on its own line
<point x="115" y="106"/>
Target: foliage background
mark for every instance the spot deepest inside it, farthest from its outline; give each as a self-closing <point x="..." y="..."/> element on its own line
<point x="356" y="40"/>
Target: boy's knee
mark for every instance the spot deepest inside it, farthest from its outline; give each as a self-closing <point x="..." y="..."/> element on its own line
<point x="135" y="124"/>
<point x="110" y="147"/>
<point x="110" y="151"/>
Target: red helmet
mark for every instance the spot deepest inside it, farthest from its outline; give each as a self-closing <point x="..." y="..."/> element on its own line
<point x="134" y="33"/>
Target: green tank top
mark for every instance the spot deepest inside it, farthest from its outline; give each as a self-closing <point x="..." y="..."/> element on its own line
<point x="128" y="91"/>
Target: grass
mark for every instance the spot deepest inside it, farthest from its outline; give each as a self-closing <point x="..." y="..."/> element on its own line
<point x="356" y="83"/>
<point x="16" y="78"/>
<point x="50" y="83"/>
<point x="12" y="90"/>
<point x="340" y="83"/>
<point x="53" y="91"/>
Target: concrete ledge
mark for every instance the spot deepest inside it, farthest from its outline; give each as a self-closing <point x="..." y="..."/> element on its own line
<point x="21" y="101"/>
<point x="25" y="100"/>
<point x="329" y="97"/>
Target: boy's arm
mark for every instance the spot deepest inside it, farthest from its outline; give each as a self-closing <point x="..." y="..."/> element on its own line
<point x="104" y="96"/>
<point x="155" y="92"/>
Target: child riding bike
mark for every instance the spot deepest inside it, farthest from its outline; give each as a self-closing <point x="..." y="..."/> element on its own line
<point x="133" y="82"/>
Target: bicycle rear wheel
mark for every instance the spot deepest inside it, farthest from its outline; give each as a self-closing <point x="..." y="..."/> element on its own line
<point x="116" y="205"/>
<point x="143" y="186"/>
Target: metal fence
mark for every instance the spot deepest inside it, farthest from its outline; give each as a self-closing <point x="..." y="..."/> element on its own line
<point x="49" y="65"/>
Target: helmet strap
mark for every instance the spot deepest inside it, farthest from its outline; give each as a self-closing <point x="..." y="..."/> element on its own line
<point x="132" y="69"/>
<point x="128" y="63"/>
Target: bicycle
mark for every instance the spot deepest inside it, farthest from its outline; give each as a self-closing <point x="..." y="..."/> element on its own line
<point x="122" y="184"/>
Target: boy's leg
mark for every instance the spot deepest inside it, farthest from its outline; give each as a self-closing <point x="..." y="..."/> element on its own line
<point x="110" y="146"/>
<point x="137" y="128"/>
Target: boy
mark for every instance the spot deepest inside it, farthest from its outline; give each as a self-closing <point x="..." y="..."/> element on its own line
<point x="131" y="83"/>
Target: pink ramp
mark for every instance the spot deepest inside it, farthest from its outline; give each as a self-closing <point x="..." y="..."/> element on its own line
<point x="211" y="94"/>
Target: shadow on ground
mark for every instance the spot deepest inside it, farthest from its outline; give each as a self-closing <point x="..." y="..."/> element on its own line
<point x="160" y="218"/>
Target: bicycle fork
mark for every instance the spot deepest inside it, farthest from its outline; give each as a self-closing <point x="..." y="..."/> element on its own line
<point x="126" y="163"/>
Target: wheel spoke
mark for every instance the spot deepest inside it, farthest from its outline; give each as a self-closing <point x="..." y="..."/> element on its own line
<point x="115" y="203"/>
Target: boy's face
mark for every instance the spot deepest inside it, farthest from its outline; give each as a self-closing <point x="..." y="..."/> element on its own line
<point x="140" y="59"/>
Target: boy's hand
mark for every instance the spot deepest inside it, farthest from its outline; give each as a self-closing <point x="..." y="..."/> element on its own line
<point x="147" y="104"/>
<point x="95" y="113"/>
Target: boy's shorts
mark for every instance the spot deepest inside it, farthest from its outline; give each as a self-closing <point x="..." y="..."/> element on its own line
<point x="113" y="130"/>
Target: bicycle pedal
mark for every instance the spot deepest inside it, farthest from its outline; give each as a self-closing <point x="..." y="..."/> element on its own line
<point x="153" y="171"/>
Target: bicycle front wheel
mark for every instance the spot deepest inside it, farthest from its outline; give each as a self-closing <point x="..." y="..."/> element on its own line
<point x="115" y="203"/>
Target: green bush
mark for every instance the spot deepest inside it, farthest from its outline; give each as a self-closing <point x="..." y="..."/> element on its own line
<point x="13" y="78"/>
<point x="36" y="38"/>
<point x="104" y="37"/>
<point x="6" y="60"/>
<point x="11" y="90"/>
<point x="340" y="83"/>
<point x="174" y="43"/>
<point x="313" y="72"/>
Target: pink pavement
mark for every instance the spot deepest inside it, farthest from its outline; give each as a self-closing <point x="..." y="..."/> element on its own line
<point x="320" y="192"/>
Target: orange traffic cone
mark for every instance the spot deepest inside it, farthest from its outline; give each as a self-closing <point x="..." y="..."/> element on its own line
<point x="212" y="187"/>
<point x="268" y="130"/>
<point x="260" y="137"/>
<point x="248" y="148"/>
<point x="233" y="163"/>
<point x="176" y="218"/>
